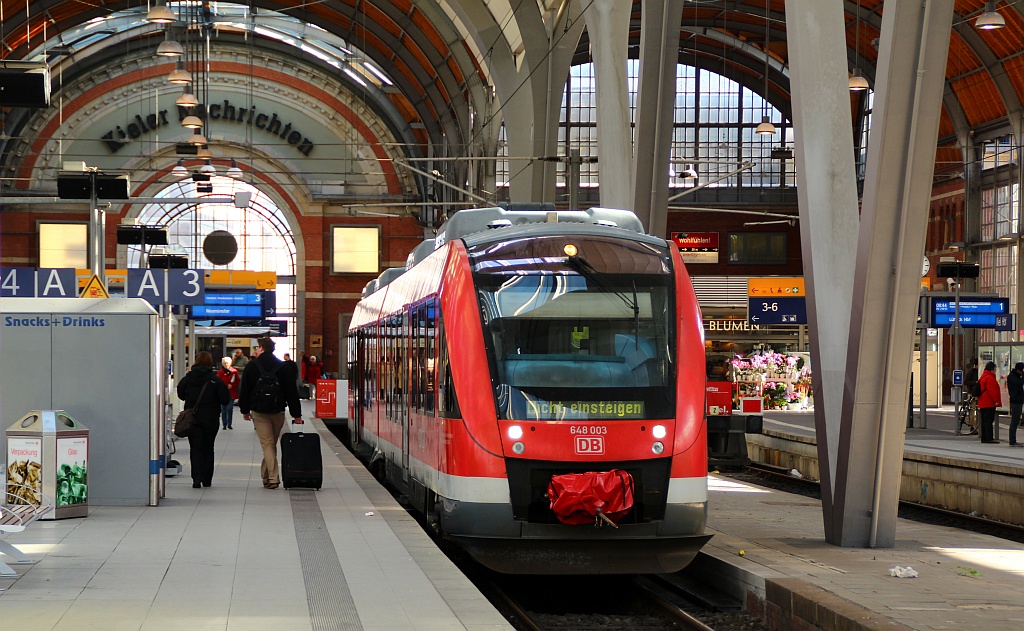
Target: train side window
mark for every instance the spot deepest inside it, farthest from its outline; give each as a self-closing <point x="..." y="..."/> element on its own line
<point x="417" y="361"/>
<point x="431" y="360"/>
<point x="447" y="401"/>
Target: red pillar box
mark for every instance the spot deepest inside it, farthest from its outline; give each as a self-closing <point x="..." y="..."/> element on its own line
<point x="718" y="398"/>
<point x="332" y="398"/>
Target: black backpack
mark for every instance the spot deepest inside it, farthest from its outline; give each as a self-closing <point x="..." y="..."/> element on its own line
<point x="267" y="395"/>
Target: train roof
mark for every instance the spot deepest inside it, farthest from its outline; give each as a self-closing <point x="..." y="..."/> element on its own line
<point x="480" y="225"/>
<point x="389" y="275"/>
<point x="419" y="253"/>
<point x="476" y="220"/>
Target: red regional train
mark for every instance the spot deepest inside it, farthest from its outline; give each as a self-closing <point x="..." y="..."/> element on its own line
<point x="521" y="346"/>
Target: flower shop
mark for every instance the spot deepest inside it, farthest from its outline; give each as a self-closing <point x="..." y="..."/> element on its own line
<point x="782" y="380"/>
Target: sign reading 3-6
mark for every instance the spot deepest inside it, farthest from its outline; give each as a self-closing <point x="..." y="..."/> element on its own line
<point x="167" y="286"/>
<point x="29" y="282"/>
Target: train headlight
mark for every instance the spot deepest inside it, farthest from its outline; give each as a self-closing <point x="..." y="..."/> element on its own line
<point x="657" y="447"/>
<point x="570" y="249"/>
<point x="515" y="432"/>
<point x="659" y="431"/>
<point x="518" y="448"/>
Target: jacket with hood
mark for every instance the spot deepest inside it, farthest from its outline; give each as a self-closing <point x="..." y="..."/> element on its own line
<point x="216" y="395"/>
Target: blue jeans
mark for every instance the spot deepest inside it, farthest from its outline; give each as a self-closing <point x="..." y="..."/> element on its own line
<point x="1015" y="412"/>
<point x="225" y="414"/>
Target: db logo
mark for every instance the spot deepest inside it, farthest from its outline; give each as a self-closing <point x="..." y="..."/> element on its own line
<point x="590" y="445"/>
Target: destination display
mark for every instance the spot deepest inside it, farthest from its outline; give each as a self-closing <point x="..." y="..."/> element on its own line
<point x="227" y="312"/>
<point x="994" y="305"/>
<point x="975" y="313"/>
<point x="250" y="305"/>
<point x="968" y="321"/>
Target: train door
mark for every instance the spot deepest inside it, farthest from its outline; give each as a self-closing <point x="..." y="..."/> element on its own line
<point x="402" y="408"/>
<point x="356" y="375"/>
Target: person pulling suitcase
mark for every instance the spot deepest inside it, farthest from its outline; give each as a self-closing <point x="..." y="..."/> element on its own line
<point x="268" y="387"/>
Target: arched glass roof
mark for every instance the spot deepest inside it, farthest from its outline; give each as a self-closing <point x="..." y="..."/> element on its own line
<point x="228" y="17"/>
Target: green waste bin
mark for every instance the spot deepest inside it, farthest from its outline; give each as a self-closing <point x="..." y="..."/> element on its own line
<point x="48" y="451"/>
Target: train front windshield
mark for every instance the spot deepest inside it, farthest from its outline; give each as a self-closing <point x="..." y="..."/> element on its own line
<point x="587" y="335"/>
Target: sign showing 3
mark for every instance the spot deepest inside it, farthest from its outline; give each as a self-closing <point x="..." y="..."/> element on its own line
<point x="166" y="286"/>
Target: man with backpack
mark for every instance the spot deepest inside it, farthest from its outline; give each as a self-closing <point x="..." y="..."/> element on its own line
<point x="268" y="386"/>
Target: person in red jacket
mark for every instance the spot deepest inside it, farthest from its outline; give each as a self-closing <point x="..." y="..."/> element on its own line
<point x="229" y="375"/>
<point x="314" y="370"/>
<point x="990" y="399"/>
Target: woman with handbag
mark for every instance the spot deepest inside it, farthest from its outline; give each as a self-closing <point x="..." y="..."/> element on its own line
<point x="202" y="391"/>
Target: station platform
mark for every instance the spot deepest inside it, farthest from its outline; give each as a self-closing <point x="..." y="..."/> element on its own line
<point x="788" y="573"/>
<point x="935" y="434"/>
<point x="238" y="556"/>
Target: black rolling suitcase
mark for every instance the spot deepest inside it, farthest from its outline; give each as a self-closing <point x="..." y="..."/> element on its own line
<point x="301" y="463"/>
<point x="305" y="391"/>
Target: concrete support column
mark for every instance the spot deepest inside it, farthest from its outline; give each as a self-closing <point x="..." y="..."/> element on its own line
<point x="827" y="195"/>
<point x="530" y="94"/>
<point x="608" y="27"/>
<point x="897" y="190"/>
<point x="659" y="55"/>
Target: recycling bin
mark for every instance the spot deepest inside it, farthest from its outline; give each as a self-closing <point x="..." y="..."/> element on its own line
<point x="48" y="451"/>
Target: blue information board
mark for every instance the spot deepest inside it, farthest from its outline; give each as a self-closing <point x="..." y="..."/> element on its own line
<point x="233" y="299"/>
<point x="235" y="305"/>
<point x="987" y="313"/>
<point x="227" y="312"/>
<point x="782" y="310"/>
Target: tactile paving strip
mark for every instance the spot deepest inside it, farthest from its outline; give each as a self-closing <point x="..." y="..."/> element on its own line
<point x="330" y="602"/>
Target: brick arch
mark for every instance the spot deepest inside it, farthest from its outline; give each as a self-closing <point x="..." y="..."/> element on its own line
<point x="51" y="127"/>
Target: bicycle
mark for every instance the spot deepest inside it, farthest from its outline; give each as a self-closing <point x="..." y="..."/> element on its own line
<point x="967" y="416"/>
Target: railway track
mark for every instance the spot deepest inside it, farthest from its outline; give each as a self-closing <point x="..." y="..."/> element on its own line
<point x="609" y="603"/>
<point x="907" y="510"/>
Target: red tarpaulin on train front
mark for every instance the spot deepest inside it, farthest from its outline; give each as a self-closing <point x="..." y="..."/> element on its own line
<point x="578" y="498"/>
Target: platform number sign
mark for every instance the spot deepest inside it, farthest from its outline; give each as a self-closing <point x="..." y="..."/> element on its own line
<point x="167" y="286"/>
<point x="29" y="282"/>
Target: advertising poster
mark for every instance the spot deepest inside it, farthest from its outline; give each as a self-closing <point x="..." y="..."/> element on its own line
<point x="25" y="468"/>
<point x="72" y="481"/>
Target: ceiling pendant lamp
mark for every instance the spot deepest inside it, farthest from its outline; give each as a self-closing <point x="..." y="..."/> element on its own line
<point x="160" y="14"/>
<point x="204" y="152"/>
<point x="187" y="99"/>
<point x="169" y="47"/>
<point x="179" y="169"/>
<point x="197" y="139"/>
<point x="208" y="168"/>
<point x="192" y="122"/>
<point x="766" y="128"/>
<point x="179" y="75"/>
<point x="990" y="19"/>
<point x="234" y="171"/>
<point x="857" y="81"/>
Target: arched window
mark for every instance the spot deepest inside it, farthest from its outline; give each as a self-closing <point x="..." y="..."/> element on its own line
<point x="715" y="119"/>
<point x="264" y="237"/>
